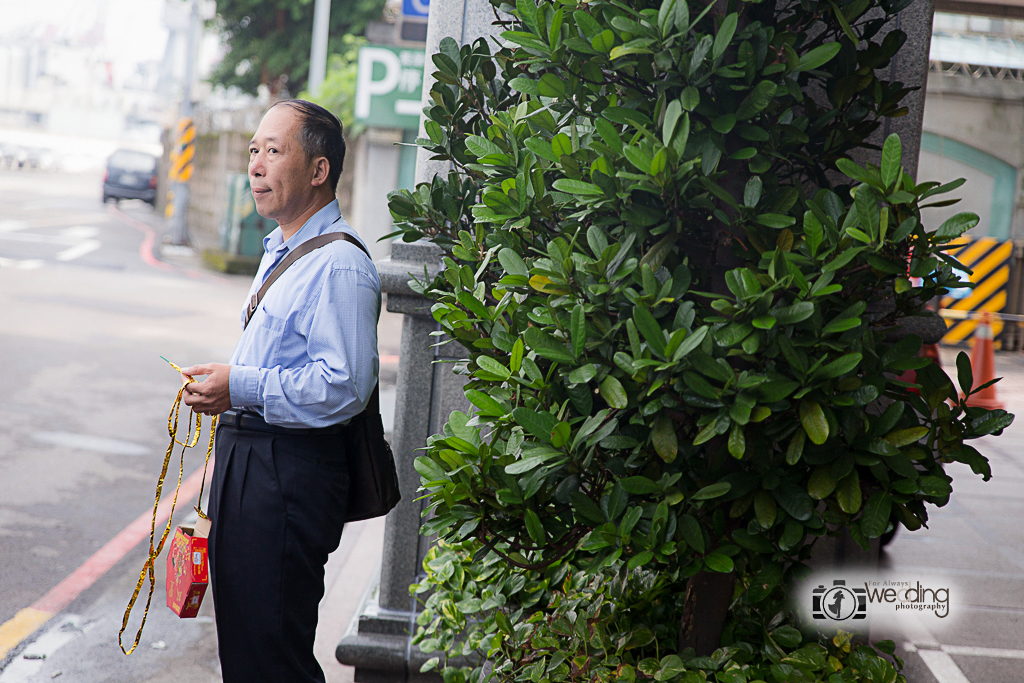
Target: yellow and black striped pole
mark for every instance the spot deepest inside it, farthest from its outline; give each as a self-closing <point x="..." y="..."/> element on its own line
<point x="182" y="156"/>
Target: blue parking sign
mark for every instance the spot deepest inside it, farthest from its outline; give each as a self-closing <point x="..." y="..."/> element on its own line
<point x="415" y="8"/>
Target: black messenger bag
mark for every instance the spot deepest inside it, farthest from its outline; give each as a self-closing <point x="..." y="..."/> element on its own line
<point x="373" y="478"/>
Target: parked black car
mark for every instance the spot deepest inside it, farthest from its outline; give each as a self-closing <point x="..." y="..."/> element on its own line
<point x="130" y="175"/>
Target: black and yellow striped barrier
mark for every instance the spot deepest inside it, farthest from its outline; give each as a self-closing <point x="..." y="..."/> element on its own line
<point x="183" y="153"/>
<point x="990" y="261"/>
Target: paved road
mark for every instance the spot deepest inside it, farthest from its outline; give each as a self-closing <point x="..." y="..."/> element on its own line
<point x="87" y="313"/>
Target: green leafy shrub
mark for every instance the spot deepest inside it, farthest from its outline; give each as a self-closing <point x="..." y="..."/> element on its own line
<point x="681" y="302"/>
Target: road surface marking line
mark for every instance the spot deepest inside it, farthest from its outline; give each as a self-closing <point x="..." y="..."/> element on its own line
<point x="968" y="651"/>
<point x="27" y="621"/>
<point x="931" y="653"/>
<point x="942" y="666"/>
<point x="79" y="250"/>
<point x="62" y="632"/>
<point x="20" y="626"/>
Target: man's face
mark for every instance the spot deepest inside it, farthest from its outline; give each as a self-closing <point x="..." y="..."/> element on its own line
<point x="279" y="173"/>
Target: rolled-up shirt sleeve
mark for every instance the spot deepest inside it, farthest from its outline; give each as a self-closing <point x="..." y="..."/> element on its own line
<point x="339" y="326"/>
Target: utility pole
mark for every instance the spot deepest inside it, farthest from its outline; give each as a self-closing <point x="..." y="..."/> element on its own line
<point x="318" y="53"/>
<point x="183" y="151"/>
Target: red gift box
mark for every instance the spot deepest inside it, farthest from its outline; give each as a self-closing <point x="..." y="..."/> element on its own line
<point x="188" y="569"/>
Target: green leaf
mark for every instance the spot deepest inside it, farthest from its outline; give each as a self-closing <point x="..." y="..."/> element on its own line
<point x="876" y="514"/>
<point x="534" y="527"/>
<point x="640" y="485"/>
<point x="516" y="357"/>
<point x="717" y="562"/>
<point x="485" y="404"/>
<point x="561" y="145"/>
<point x="819" y="56"/>
<point x="764" y="509"/>
<point x="848" y="493"/>
<point x="547" y="346"/>
<point x="798" y="312"/>
<point x="603" y="41"/>
<point x="725" y="35"/>
<point x="712" y="491"/>
<point x="796" y="447"/>
<point x="840" y="366"/>
<point x="586" y="509"/>
<point x="775" y="220"/>
<point x="892" y="155"/>
<point x="481" y="146"/>
<point x="537" y="423"/>
<point x="673" y="112"/>
<point x="813" y="420"/>
<point x="905" y="437"/>
<point x="964" y="374"/>
<point x="578" y="330"/>
<point x="493" y="368"/>
<point x="650" y="329"/>
<point x="934" y="486"/>
<point x="663" y="436"/>
<point x="640" y="560"/>
<point x="428" y="469"/>
<point x="821" y="484"/>
<point x="612" y="392"/>
<point x="512" y="262"/>
<point x="795" y="501"/>
<point x="582" y="374"/>
<point x="752" y="192"/>
<point x="541" y="148"/>
<point x="692" y="534"/>
<point x="690" y="343"/>
<point x="737" y="441"/>
<point x="957" y="225"/>
<point x="571" y="186"/>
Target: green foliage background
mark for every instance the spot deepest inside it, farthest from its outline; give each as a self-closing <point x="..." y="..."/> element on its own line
<point x="681" y="302"/>
<point x="271" y="39"/>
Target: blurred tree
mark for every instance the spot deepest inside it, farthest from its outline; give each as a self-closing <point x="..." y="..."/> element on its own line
<point x="338" y="92"/>
<point x="269" y="40"/>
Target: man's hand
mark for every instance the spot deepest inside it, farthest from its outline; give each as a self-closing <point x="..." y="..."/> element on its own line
<point x="211" y="396"/>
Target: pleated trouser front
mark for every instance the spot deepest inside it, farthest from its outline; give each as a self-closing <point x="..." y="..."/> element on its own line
<point x="277" y="503"/>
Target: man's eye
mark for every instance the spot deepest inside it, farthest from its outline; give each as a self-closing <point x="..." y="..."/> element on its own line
<point x="272" y="149"/>
<point x="252" y="150"/>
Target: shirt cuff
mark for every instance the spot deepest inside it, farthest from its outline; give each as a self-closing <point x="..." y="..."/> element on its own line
<point x="244" y="386"/>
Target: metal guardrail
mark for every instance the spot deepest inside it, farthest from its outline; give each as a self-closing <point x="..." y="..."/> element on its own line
<point x="952" y="314"/>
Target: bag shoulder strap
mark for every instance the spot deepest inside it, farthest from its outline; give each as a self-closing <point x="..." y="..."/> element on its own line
<point x="295" y="255"/>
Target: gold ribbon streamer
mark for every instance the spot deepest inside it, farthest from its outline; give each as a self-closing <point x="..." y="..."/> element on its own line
<point x="148" y="569"/>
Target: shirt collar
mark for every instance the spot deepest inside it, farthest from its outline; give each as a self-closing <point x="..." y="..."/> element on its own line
<point x="318" y="224"/>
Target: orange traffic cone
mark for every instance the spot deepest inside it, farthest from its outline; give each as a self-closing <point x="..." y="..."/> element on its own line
<point x="983" y="364"/>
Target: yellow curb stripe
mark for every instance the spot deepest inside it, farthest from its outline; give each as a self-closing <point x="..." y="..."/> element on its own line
<point x="21" y="626"/>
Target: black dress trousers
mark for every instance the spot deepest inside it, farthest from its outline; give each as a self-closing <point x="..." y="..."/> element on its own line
<point x="277" y="503"/>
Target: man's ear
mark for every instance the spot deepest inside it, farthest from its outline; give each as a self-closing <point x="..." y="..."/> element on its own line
<point x="321" y="170"/>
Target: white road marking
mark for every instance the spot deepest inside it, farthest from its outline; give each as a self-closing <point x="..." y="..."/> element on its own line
<point x="10" y="225"/>
<point x="968" y="651"/>
<point x="54" y="638"/>
<point x="80" y="231"/>
<point x="25" y="264"/>
<point x="935" y="657"/>
<point x="86" y="442"/>
<point x="79" y="250"/>
<point x="940" y="664"/>
<point x="77" y="239"/>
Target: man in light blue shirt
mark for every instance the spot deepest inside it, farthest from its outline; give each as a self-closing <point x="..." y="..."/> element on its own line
<point x="305" y="365"/>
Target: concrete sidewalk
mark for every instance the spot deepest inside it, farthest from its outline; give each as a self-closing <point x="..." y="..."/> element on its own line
<point x="976" y="542"/>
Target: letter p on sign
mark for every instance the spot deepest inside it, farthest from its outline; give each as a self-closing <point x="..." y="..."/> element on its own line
<point x="366" y="86"/>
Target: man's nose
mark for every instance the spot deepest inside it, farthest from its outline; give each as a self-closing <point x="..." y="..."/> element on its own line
<point x="256" y="166"/>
